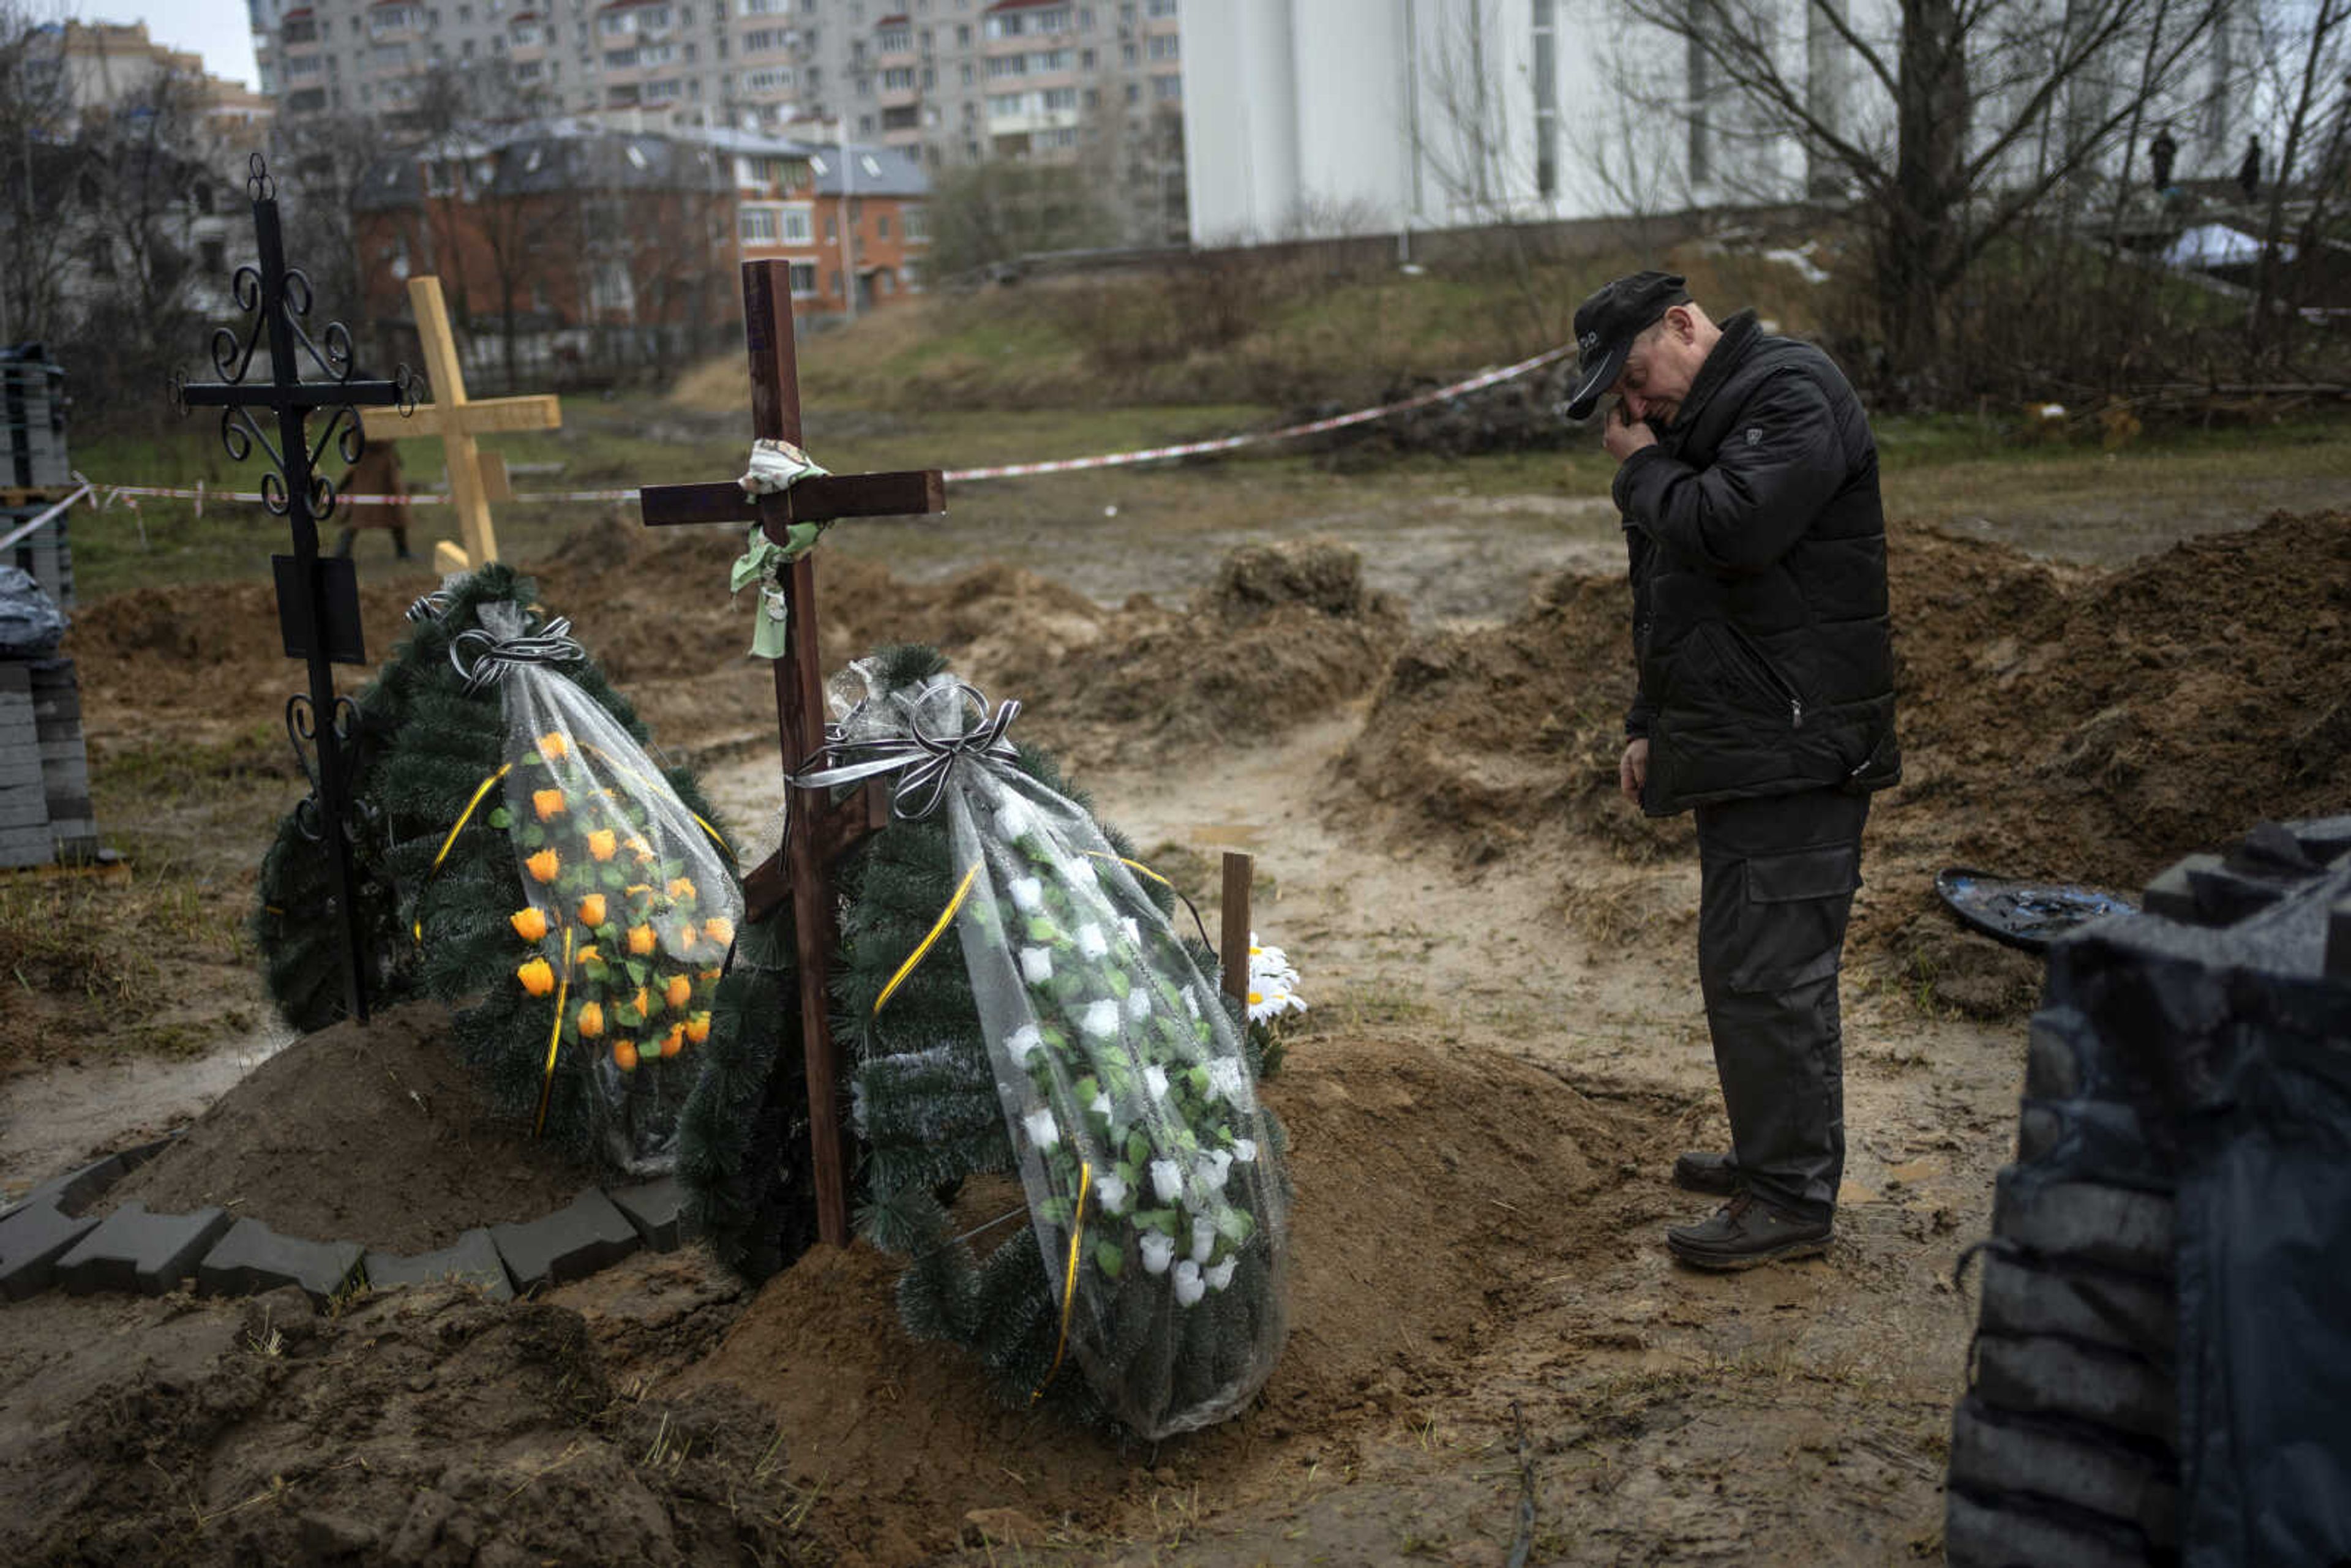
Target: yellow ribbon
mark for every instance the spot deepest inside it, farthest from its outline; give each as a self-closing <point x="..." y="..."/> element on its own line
<point x="1131" y="865"/>
<point x="946" y="917"/>
<point x="554" y="1039"/>
<point x="416" y="928"/>
<point x="1070" y="1284"/>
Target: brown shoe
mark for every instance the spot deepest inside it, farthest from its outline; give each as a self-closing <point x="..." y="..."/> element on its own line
<point x="1703" y="1170"/>
<point x="1747" y="1231"/>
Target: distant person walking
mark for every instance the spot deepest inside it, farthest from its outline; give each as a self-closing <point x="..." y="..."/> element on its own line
<point x="377" y="472"/>
<point x="2249" y="172"/>
<point x="2161" y="154"/>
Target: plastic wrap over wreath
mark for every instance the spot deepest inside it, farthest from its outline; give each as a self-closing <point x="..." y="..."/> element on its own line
<point x="1152" y="1184"/>
<point x="632" y="900"/>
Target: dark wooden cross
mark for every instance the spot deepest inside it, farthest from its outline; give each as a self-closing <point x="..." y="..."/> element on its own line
<point x="318" y="600"/>
<point x="822" y="832"/>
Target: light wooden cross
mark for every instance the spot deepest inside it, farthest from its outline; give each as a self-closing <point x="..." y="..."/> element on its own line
<point x="823" y="832"/>
<point x="476" y="477"/>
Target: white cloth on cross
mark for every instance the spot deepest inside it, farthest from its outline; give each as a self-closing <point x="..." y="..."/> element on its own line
<point x="775" y="467"/>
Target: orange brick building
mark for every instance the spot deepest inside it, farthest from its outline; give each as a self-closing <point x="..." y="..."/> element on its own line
<point x="570" y="252"/>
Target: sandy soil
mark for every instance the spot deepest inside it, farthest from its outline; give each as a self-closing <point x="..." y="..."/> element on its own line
<point x="1505" y="1052"/>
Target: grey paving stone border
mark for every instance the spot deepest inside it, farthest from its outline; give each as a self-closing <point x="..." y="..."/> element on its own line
<point x="46" y="1239"/>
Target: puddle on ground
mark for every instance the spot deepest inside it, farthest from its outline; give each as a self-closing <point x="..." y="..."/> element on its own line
<point x="56" y="1118"/>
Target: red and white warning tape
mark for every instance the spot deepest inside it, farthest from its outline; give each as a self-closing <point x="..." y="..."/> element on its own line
<point x="131" y="494"/>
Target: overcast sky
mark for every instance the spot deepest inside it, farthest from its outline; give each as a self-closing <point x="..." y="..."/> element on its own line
<point x="212" y="28"/>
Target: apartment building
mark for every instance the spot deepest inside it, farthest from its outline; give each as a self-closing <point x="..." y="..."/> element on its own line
<point x="953" y="81"/>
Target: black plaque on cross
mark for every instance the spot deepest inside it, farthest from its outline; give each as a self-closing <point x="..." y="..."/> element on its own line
<point x="802" y="871"/>
<point x="319" y="624"/>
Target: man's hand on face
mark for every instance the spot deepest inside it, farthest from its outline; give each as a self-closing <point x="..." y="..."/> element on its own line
<point x="1622" y="434"/>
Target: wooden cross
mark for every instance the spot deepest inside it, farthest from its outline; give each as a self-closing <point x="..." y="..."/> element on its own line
<point x="476" y="477"/>
<point x="821" y="832"/>
<point x="317" y="608"/>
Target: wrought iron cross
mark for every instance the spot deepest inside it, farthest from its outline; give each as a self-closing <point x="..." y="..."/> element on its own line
<point x="822" y="833"/>
<point x="317" y="600"/>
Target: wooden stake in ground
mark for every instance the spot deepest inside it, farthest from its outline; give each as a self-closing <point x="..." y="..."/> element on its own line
<point x="1234" y="922"/>
<point x="822" y="832"/>
<point x="476" y="477"/>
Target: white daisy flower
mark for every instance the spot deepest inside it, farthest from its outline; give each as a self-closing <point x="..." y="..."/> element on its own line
<point x="1044" y="1132"/>
<point x="1023" y="1042"/>
<point x="1100" y="1019"/>
<point x="1028" y="894"/>
<point x="1221" y="1275"/>
<point x="1203" y="1239"/>
<point x="1091" y="943"/>
<point x="1189" y="1286"/>
<point x="1111" y="1191"/>
<point x="1158" y="1251"/>
<point x="1166" y="1181"/>
<point x="1036" y="965"/>
<point x="1154" y="1081"/>
<point x="1138" y="1004"/>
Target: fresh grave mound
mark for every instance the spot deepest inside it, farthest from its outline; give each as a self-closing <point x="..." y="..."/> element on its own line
<point x="422" y="1426"/>
<point x="1431" y="1185"/>
<point x="2053" y="724"/>
<point x="371" y="1133"/>
<point x="1286" y="633"/>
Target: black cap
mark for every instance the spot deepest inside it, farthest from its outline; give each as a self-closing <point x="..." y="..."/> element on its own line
<point x="1607" y="324"/>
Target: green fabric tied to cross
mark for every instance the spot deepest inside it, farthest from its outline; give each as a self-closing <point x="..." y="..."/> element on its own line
<point x="776" y="466"/>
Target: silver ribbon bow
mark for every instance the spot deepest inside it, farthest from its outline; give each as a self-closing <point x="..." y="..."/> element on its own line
<point x="923" y="760"/>
<point x="481" y="657"/>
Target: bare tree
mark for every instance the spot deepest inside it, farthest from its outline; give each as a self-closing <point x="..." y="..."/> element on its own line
<point x="36" y="111"/>
<point x="1952" y="121"/>
<point x="2308" y="49"/>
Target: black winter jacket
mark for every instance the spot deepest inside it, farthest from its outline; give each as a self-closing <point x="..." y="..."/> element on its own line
<point x="1758" y="551"/>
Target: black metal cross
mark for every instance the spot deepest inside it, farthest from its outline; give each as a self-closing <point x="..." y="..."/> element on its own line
<point x="318" y="600"/>
<point x="803" y="871"/>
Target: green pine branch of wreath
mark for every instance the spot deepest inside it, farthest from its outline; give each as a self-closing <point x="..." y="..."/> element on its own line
<point x="431" y="747"/>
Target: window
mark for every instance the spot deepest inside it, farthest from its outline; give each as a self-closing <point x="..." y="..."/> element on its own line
<point x="303" y="65"/>
<point x="917" y="227"/>
<point x="610" y="288"/>
<point x="898" y="79"/>
<point x="794" y="227"/>
<point x="1164" y="46"/>
<point x="307" y="99"/>
<point x="1126" y="53"/>
<point x="1162" y="7"/>
<point x="895" y="41"/>
<point x="302" y="30"/>
<point x="528" y="71"/>
<point x="880" y="227"/>
<point x="1167" y="89"/>
<point x="1008" y="66"/>
<point x="803" y="279"/>
<point x="761" y="41"/>
<point x="833" y="234"/>
<point x="758" y="226"/>
<point x="663" y="91"/>
<point x="1060" y="98"/>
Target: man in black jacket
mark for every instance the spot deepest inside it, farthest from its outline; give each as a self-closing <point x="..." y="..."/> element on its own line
<point x="1747" y="481"/>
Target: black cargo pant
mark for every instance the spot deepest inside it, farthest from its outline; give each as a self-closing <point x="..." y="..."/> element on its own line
<point x="1777" y="878"/>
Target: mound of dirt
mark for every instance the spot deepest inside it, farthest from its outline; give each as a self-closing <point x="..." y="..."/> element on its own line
<point x="374" y="1135"/>
<point x="1482" y="738"/>
<point x="1286" y="633"/>
<point x="2055" y="724"/>
<point x="421" y="1427"/>
<point x="1420" y="1213"/>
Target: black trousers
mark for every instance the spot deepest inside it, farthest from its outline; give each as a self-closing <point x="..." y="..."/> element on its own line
<point x="1777" y="878"/>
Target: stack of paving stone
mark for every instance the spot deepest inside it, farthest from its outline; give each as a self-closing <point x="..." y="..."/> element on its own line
<point x="33" y="415"/>
<point x="49" y="1239"/>
<point x="44" y="809"/>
